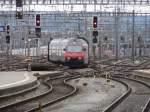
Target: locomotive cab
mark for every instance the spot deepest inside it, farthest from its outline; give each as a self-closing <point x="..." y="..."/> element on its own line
<point x="74" y="54"/>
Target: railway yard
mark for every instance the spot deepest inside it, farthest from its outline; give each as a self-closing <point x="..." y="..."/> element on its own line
<point x="102" y="87"/>
<point x="74" y="55"/>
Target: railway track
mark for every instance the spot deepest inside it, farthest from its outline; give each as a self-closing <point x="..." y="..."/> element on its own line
<point x="12" y="63"/>
<point x="56" y="95"/>
<point x="114" y="104"/>
<point x="56" y="98"/>
<point x="59" y="89"/>
<point x="138" y="99"/>
<point x="114" y="65"/>
<point x="126" y="70"/>
<point x="72" y="75"/>
<point x="7" y="105"/>
<point x="147" y="106"/>
<point x="145" y="80"/>
<point x="16" y="63"/>
<point x="129" y="100"/>
<point x="144" y="65"/>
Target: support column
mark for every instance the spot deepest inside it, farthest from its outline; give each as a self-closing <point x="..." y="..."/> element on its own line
<point x="39" y="45"/>
<point x="133" y="46"/>
<point x="116" y="36"/>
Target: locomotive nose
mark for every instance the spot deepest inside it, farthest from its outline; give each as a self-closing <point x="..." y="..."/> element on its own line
<point x="74" y="56"/>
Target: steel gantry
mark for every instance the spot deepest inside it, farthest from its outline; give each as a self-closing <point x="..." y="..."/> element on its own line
<point x="77" y="2"/>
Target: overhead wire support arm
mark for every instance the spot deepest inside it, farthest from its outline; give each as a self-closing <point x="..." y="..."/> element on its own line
<point x="77" y="2"/>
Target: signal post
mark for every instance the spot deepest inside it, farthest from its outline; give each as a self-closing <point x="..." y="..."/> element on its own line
<point x="19" y="9"/>
<point x="8" y="43"/>
<point x="38" y="32"/>
<point x="95" y="34"/>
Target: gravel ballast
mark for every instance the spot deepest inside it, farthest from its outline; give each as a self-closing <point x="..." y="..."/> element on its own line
<point x="94" y="94"/>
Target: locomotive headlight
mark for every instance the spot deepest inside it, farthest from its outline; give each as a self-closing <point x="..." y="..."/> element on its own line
<point x="68" y="58"/>
<point x="80" y="58"/>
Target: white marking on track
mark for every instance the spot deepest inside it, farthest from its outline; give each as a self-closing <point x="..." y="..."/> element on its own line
<point x="21" y="81"/>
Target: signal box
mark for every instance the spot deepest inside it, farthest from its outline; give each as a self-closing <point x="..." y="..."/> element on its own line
<point x="8" y="39"/>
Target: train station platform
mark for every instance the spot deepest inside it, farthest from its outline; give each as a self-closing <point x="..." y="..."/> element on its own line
<point x="12" y="83"/>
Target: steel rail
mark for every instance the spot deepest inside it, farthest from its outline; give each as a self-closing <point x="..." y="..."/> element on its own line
<point x="28" y="99"/>
<point x="74" y="90"/>
<point x="120" y="99"/>
<point x="147" y="105"/>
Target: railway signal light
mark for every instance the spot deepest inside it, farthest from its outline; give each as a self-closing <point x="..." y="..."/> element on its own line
<point x="38" y="20"/>
<point x="19" y="3"/>
<point x="38" y="32"/>
<point x="7" y="29"/>
<point x="95" y="22"/>
<point x="19" y="15"/>
<point x="8" y="39"/>
<point x="95" y="33"/>
<point x="94" y="40"/>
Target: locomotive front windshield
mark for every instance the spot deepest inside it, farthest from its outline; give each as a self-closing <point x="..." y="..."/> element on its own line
<point x="74" y="49"/>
